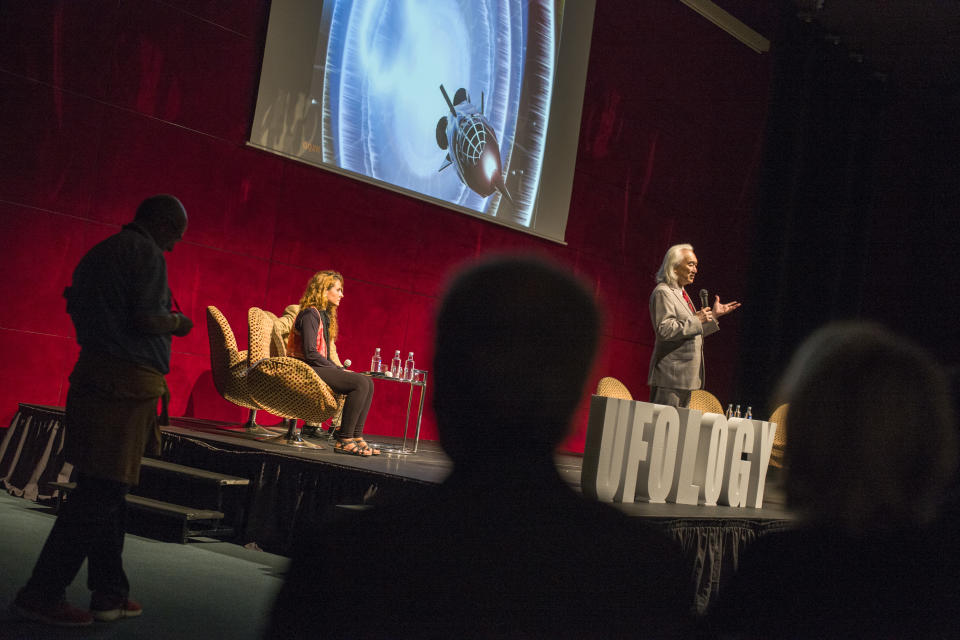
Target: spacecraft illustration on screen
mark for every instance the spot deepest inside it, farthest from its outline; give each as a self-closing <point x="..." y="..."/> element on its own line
<point x="471" y="145"/>
<point x="372" y="107"/>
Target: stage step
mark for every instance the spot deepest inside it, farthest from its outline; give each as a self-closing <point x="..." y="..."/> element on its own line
<point x="202" y="475"/>
<point x="163" y="520"/>
<point x="197" y="488"/>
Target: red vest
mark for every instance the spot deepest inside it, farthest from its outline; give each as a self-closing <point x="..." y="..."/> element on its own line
<point x="295" y="340"/>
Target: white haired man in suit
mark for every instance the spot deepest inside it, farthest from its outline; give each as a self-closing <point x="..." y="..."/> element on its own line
<point x="676" y="366"/>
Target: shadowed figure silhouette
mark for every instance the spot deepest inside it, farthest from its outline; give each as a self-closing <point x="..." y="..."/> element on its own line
<point x="870" y="450"/>
<point x="504" y="547"/>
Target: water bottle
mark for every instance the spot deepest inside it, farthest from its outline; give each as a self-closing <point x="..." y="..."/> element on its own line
<point x="749" y="415"/>
<point x="408" y="368"/>
<point x="729" y="413"/>
<point x="395" y="369"/>
<point x="376" y="364"/>
<point x="736" y="412"/>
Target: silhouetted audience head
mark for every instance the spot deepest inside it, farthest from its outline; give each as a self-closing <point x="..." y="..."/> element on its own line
<point x="515" y="339"/>
<point x="872" y="441"/>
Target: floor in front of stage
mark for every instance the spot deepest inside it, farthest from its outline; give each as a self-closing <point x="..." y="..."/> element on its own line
<point x="219" y="589"/>
<point x="198" y="590"/>
<point x="428" y="463"/>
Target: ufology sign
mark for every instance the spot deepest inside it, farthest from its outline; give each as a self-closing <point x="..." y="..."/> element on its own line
<point x="641" y="452"/>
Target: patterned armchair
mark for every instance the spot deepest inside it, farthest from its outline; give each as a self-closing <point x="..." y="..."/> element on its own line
<point x="228" y="366"/>
<point x="780" y="439"/>
<point x="280" y="329"/>
<point x="282" y="385"/>
<point x="613" y="388"/>
<point x="705" y="401"/>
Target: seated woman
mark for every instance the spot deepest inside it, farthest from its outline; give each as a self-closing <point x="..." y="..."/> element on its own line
<point x="313" y="340"/>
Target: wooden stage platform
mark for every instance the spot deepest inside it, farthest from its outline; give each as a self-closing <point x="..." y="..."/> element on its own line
<point x="292" y="489"/>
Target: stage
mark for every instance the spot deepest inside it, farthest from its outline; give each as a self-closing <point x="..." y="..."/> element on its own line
<point x="292" y="489"/>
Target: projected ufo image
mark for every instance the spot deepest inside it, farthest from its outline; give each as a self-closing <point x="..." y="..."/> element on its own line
<point x="471" y="145"/>
<point x="379" y="73"/>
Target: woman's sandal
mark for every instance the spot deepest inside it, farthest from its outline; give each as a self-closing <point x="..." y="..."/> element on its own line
<point x="365" y="446"/>
<point x="351" y="447"/>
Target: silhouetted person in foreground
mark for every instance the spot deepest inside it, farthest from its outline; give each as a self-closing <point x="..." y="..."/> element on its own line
<point x="870" y="448"/>
<point x="504" y="547"/>
<point x="120" y="306"/>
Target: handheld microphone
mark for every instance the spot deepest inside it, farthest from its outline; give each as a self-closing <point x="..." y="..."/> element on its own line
<point x="704" y="298"/>
<point x="347" y="363"/>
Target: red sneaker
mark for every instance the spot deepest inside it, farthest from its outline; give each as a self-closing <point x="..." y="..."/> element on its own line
<point x="62" y="614"/>
<point x="110" y="608"/>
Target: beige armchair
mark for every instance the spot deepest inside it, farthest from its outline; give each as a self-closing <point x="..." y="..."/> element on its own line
<point x="281" y="329"/>
<point x="705" y="401"/>
<point x="613" y="388"/>
<point x="285" y="386"/>
<point x="228" y="366"/>
<point x="779" y="417"/>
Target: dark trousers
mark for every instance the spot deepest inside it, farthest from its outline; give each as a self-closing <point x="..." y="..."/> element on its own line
<point x="359" y="392"/>
<point x="671" y="397"/>
<point x="90" y="526"/>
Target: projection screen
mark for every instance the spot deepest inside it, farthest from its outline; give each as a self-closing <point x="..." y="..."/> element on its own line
<point x="471" y="104"/>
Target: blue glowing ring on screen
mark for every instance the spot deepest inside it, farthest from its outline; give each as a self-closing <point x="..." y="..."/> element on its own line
<point x="384" y="63"/>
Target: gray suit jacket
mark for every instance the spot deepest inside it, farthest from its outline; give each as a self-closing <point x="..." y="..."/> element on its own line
<point x="677" y="360"/>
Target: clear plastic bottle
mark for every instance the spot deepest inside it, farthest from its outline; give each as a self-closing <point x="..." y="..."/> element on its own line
<point x="395" y="369"/>
<point x="736" y="412"/>
<point x="749" y="415"/>
<point x="376" y="363"/>
<point x="408" y="368"/>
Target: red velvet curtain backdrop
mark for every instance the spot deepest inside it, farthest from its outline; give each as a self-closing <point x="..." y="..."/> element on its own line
<point x="104" y="102"/>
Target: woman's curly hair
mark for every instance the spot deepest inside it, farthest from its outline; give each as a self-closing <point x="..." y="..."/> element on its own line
<point x="315" y="295"/>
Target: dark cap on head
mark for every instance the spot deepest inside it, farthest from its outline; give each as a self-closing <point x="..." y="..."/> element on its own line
<point x="515" y="339"/>
<point x="164" y="217"/>
<point x="161" y="207"/>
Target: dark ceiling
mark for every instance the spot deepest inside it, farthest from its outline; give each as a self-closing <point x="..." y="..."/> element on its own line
<point x="914" y="41"/>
